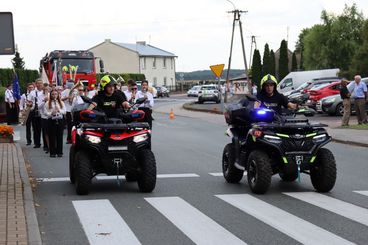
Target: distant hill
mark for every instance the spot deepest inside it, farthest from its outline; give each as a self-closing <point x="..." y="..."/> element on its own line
<point x="206" y="74"/>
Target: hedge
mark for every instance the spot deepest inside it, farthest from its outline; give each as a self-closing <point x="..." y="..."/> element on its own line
<point x="24" y="76"/>
<point x="2" y="94"/>
<point x="125" y="76"/>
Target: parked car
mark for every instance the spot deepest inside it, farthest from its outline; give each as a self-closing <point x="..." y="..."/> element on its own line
<point x="209" y="93"/>
<point x="162" y="92"/>
<point x="332" y="105"/>
<point x="193" y="92"/>
<point x="296" y="78"/>
<point x="320" y="91"/>
<point x="305" y="87"/>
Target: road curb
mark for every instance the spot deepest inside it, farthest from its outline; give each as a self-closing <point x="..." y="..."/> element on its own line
<point x="33" y="230"/>
<point x="347" y="142"/>
<point x="188" y="106"/>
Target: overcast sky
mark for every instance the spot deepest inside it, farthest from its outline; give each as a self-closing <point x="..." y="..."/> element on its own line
<point x="197" y="31"/>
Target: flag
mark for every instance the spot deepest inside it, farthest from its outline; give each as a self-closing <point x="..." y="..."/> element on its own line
<point x="44" y="76"/>
<point x="16" y="87"/>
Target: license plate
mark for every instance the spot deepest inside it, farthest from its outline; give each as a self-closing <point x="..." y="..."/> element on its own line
<point x="298" y="160"/>
<point x="117" y="148"/>
<point x="319" y="107"/>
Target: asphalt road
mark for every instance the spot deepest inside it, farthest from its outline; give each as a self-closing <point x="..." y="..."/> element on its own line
<point x="196" y="206"/>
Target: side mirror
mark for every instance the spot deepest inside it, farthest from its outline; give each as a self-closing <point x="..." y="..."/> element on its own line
<point x="102" y="66"/>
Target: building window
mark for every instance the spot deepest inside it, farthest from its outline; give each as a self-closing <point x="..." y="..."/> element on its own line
<point x="165" y="81"/>
<point x="155" y="81"/>
<point x="172" y="63"/>
<point x="144" y="63"/>
<point x="164" y="62"/>
<point x="154" y="62"/>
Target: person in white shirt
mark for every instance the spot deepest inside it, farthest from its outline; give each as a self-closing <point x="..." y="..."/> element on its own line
<point x="37" y="98"/>
<point x="55" y="111"/>
<point x="11" y="106"/>
<point x="25" y="105"/>
<point x="148" y="104"/>
<point x="130" y="94"/>
<point x="68" y="98"/>
<point x="44" y="124"/>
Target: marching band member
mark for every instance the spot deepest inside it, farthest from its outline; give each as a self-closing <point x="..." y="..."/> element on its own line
<point x="148" y="104"/>
<point x="25" y="107"/>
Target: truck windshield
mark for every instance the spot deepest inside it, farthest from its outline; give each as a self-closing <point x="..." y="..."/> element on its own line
<point x="84" y="65"/>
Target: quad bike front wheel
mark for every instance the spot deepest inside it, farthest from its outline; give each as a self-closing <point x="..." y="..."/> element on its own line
<point x="230" y="172"/>
<point x="83" y="173"/>
<point x="147" y="173"/>
<point x="259" y="172"/>
<point x="72" y="164"/>
<point x="323" y="171"/>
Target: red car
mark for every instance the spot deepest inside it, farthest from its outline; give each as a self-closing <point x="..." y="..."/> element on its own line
<point x="320" y="91"/>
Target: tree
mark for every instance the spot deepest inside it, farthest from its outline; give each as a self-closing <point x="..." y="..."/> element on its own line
<point x="333" y="43"/>
<point x="17" y="61"/>
<point x="266" y="64"/>
<point x="359" y="64"/>
<point x="256" y="68"/>
<point x="272" y="63"/>
<point x="299" y="47"/>
<point x="283" y="61"/>
<point x="294" y="63"/>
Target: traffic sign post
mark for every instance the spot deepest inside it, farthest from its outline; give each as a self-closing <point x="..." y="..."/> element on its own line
<point x="217" y="70"/>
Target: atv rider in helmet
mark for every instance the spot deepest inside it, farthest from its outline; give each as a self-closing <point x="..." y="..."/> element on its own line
<point x="270" y="97"/>
<point x="107" y="100"/>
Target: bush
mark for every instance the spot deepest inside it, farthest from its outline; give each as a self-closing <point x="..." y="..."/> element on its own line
<point x="24" y="76"/>
<point x="2" y="94"/>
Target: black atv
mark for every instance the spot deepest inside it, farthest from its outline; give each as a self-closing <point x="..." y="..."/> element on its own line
<point x="265" y="143"/>
<point x="113" y="146"/>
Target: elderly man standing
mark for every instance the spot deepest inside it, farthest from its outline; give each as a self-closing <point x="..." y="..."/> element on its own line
<point x="358" y="92"/>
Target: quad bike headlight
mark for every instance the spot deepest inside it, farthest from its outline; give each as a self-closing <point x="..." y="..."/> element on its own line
<point x="273" y="139"/>
<point x="319" y="138"/>
<point x="93" y="139"/>
<point x="140" y="138"/>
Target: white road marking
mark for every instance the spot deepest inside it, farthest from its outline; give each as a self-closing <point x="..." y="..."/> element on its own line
<point x="198" y="227"/>
<point x="113" y="177"/>
<point x="339" y="207"/>
<point x="293" y="226"/>
<point x="221" y="174"/>
<point x="365" y="193"/>
<point x="102" y="223"/>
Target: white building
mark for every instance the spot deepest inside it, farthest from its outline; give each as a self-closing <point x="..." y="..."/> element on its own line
<point x="156" y="64"/>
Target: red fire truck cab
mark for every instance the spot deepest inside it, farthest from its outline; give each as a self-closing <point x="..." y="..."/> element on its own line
<point x="59" y="63"/>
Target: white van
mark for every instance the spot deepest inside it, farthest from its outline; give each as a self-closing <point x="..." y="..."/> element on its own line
<point x="296" y="78"/>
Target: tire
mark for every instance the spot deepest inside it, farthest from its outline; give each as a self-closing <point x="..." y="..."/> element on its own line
<point x="131" y="176"/>
<point x="168" y="95"/>
<point x="83" y="173"/>
<point x="230" y="172"/>
<point x="259" y="172"/>
<point x="339" y="110"/>
<point x="147" y="174"/>
<point x="200" y="102"/>
<point x="323" y="171"/>
<point x="71" y="164"/>
<point x="288" y="177"/>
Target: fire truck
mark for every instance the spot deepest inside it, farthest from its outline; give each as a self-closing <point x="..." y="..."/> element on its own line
<point x="78" y="65"/>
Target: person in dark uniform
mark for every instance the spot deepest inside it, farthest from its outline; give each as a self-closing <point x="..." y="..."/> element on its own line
<point x="270" y="98"/>
<point x="11" y="106"/>
<point x="107" y="100"/>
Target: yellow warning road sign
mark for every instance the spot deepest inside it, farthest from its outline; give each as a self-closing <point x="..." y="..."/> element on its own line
<point x="217" y="69"/>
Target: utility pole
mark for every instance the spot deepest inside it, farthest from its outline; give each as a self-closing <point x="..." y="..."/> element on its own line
<point x="237" y="13"/>
<point x="251" y="50"/>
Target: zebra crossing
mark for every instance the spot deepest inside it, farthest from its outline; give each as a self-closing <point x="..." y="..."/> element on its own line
<point x="102" y="224"/>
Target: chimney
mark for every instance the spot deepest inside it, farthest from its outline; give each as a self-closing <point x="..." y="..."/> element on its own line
<point x="107" y="40"/>
<point x="141" y="43"/>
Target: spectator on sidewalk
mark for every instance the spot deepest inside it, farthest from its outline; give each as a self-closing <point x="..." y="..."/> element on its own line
<point x="55" y="111"/>
<point x="11" y="105"/>
<point x="25" y="107"/>
<point x="345" y="96"/>
<point x="131" y="92"/>
<point x="358" y="92"/>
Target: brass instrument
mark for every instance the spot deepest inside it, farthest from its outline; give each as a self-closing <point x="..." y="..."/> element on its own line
<point x="73" y="92"/>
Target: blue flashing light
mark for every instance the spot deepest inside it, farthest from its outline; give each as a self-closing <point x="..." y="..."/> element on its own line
<point x="261" y="112"/>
